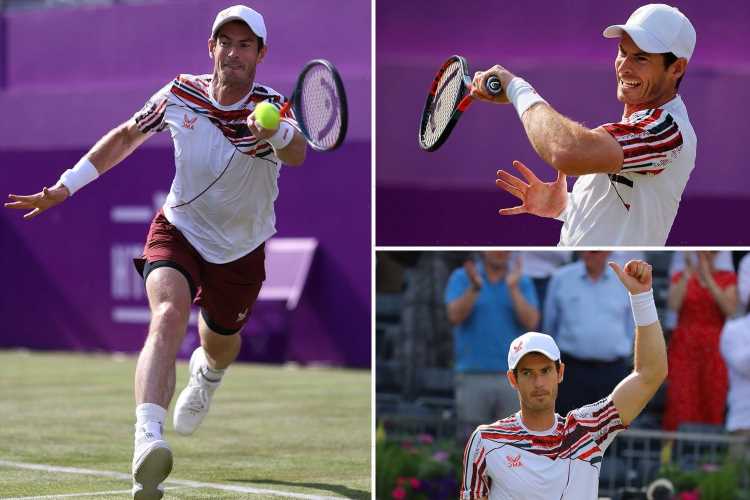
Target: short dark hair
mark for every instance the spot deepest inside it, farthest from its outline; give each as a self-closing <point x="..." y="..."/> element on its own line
<point x="557" y="369"/>
<point x="669" y="59"/>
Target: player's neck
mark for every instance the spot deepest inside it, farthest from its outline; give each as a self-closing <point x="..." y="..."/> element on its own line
<point x="655" y="103"/>
<point x="228" y="93"/>
<point x="538" y="420"/>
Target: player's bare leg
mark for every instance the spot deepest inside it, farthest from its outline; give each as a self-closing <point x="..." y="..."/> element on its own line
<point x="207" y="366"/>
<point x="169" y="299"/>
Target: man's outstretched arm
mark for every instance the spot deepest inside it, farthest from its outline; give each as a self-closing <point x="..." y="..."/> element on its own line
<point x="566" y="145"/>
<point x="110" y="150"/>
<point x="632" y="395"/>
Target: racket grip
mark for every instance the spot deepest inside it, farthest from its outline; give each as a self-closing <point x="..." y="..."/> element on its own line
<point x="493" y="86"/>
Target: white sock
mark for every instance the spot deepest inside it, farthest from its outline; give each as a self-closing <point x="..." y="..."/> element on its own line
<point x="151" y="417"/>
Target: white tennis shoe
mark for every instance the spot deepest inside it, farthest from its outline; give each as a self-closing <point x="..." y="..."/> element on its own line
<point x="152" y="462"/>
<point x="192" y="405"/>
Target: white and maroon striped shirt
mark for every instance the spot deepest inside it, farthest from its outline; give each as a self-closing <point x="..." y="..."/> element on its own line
<point x="636" y="206"/>
<point x="507" y="461"/>
<point x="235" y="214"/>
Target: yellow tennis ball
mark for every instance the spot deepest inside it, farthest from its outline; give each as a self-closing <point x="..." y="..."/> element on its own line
<point x="266" y="115"/>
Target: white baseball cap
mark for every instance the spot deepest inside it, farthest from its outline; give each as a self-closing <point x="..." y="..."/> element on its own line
<point x="532" y="342"/>
<point x="657" y="28"/>
<point x="245" y="14"/>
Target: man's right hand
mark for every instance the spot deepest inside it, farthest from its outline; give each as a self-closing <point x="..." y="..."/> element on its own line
<point x="39" y="202"/>
<point x="544" y="199"/>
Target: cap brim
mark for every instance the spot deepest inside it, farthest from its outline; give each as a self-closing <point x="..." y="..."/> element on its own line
<point x="540" y="351"/>
<point x="642" y="38"/>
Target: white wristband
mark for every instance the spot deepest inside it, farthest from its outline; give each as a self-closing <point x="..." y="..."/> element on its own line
<point x="282" y="137"/>
<point x="81" y="174"/>
<point x="644" y="308"/>
<point x="522" y="95"/>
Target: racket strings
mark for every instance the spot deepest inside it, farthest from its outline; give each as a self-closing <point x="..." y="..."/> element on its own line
<point x="319" y="105"/>
<point x="439" y="115"/>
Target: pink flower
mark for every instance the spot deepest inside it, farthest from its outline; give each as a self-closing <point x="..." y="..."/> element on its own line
<point x="440" y="456"/>
<point x="415" y="483"/>
<point x="710" y="467"/>
<point x="398" y="493"/>
<point x="689" y="495"/>
<point x="425" y="439"/>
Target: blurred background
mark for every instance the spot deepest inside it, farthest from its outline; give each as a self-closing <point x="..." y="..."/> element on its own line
<point x="559" y="48"/>
<point x="695" y="431"/>
<point x="72" y="70"/>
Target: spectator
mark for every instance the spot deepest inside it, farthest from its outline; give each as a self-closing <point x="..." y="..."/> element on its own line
<point x="588" y="312"/>
<point x="540" y="266"/>
<point x="743" y="283"/>
<point x="703" y="298"/>
<point x="489" y="305"/>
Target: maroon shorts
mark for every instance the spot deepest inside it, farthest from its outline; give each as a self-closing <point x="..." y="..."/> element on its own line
<point x="225" y="292"/>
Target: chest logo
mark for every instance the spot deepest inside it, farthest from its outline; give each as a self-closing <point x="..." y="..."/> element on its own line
<point x="514" y="462"/>
<point x="188" y="123"/>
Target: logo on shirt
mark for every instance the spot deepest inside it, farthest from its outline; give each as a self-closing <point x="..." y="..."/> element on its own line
<point x="518" y="346"/>
<point x="188" y="123"/>
<point x="514" y="461"/>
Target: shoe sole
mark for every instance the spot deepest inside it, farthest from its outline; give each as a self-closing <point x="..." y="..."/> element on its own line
<point x="153" y="470"/>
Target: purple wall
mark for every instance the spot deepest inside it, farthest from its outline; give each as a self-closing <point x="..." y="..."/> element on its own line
<point x="100" y="65"/>
<point x="448" y="197"/>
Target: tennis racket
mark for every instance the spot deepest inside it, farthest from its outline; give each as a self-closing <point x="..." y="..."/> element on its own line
<point x="319" y="105"/>
<point x="447" y="100"/>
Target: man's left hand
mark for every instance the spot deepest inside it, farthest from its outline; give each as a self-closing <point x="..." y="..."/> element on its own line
<point x="479" y="92"/>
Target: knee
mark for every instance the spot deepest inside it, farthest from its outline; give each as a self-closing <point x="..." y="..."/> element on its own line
<point x="168" y="317"/>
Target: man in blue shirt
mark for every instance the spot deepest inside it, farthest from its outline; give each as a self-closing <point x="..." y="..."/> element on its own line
<point x="588" y="313"/>
<point x="489" y="305"/>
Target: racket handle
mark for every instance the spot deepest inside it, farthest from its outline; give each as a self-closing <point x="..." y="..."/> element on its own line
<point x="493" y="86"/>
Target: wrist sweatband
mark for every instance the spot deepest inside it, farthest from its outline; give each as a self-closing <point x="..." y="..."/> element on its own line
<point x="282" y="137"/>
<point x="644" y="308"/>
<point x="81" y="174"/>
<point x="522" y="95"/>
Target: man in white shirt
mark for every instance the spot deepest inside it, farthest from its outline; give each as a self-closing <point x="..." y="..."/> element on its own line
<point x="631" y="173"/>
<point x="537" y="454"/>
<point x="206" y="244"/>
<point x="735" y="348"/>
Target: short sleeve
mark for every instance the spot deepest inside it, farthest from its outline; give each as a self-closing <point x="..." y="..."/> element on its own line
<point x="474" y="484"/>
<point x="601" y="420"/>
<point x="650" y="141"/>
<point x="151" y="117"/>
<point x="457" y="285"/>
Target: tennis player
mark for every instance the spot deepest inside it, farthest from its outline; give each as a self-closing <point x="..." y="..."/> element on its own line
<point x="537" y="454"/>
<point x="631" y="174"/>
<point x="206" y="245"/>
